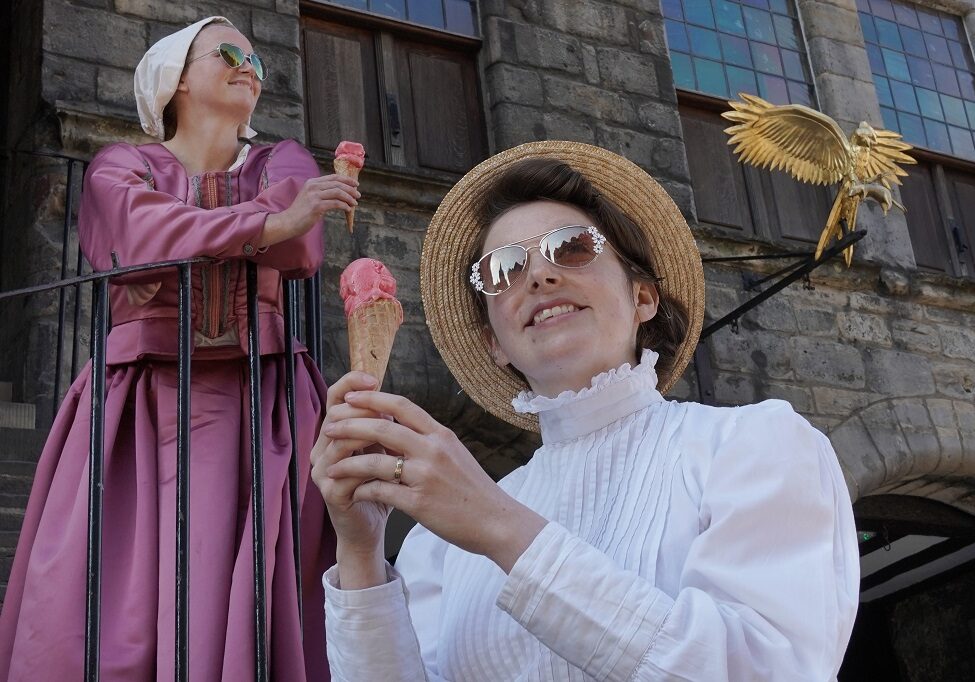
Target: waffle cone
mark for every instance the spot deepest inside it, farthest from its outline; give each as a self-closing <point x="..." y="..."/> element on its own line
<point x="372" y="328"/>
<point x="348" y="169"/>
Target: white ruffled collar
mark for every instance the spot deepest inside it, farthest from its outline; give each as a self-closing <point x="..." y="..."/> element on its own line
<point x="610" y="396"/>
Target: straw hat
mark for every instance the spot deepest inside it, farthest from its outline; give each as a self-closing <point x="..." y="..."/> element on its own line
<point x="449" y="300"/>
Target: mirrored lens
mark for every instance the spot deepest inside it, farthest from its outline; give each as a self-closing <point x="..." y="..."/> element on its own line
<point x="232" y="55"/>
<point x="570" y="247"/>
<point x="258" y="65"/>
<point x="500" y="268"/>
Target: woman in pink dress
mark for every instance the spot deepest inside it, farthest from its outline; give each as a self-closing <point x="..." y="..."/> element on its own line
<point x="199" y="193"/>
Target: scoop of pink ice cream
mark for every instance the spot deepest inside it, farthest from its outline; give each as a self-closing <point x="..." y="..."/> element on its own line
<point x="364" y="281"/>
<point x="353" y="152"/>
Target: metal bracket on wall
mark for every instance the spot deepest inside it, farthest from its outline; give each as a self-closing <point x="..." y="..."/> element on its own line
<point x="800" y="269"/>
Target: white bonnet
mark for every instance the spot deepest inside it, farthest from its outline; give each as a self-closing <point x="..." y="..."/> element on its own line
<point x="157" y="76"/>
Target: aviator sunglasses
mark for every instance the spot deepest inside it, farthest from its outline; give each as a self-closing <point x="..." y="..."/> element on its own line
<point x="233" y="56"/>
<point x="571" y="246"/>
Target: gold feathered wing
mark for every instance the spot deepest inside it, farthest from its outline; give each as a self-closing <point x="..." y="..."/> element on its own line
<point x="879" y="162"/>
<point x="803" y="142"/>
<point x="812" y="148"/>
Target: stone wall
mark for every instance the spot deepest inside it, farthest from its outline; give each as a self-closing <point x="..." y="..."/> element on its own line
<point x="879" y="356"/>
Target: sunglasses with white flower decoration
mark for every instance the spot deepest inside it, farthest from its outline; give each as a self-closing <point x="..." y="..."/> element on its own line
<point x="569" y="246"/>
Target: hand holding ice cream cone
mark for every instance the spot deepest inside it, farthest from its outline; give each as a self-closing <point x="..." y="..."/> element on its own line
<point x="349" y="159"/>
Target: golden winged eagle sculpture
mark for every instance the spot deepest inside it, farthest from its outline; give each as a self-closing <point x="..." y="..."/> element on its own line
<point x="812" y="148"/>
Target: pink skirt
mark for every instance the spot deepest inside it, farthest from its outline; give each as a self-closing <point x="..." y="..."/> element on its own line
<point x="43" y="621"/>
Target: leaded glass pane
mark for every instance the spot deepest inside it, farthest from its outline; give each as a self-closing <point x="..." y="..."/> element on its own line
<point x="457" y="16"/>
<point x="937" y="135"/>
<point x="926" y="86"/>
<point x="704" y="42"/>
<point x="683" y="71"/>
<point x="723" y="47"/>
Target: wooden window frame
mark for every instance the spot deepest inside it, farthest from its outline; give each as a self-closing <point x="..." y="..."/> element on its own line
<point x="390" y="36"/>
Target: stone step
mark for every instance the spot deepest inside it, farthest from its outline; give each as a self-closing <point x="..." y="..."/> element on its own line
<point x="17" y="415"/>
<point x="11" y="518"/>
<point x="21" y="444"/>
<point x="8" y="542"/>
<point x="6" y="391"/>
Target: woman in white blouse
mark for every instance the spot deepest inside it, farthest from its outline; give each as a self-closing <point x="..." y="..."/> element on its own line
<point x="646" y="539"/>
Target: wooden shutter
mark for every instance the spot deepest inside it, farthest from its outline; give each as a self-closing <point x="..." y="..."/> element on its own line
<point x="718" y="180"/>
<point x="796" y="210"/>
<point x="440" y="108"/>
<point x="925" y="221"/>
<point x="341" y="87"/>
<point x="962" y="190"/>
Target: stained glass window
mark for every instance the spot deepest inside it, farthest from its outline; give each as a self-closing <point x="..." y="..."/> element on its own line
<point x="456" y="16"/>
<point x="923" y="69"/>
<point x="723" y="47"/>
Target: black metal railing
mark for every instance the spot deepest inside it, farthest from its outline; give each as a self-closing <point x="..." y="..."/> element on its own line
<point x="100" y="326"/>
<point x="100" y="314"/>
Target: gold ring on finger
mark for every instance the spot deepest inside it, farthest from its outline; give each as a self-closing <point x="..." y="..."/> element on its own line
<point x="398" y="471"/>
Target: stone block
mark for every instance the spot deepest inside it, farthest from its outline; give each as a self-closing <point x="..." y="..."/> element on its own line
<point x="824" y="362"/>
<point x="275" y="118"/>
<point x="759" y="353"/>
<point x="661" y="118"/>
<point x="734" y="389"/>
<point x="560" y="126"/>
<point x="274" y="29"/>
<point x="847" y="99"/>
<point x="815" y="322"/>
<point x="859" y="455"/>
<point x="954" y="380"/>
<point x="67" y="79"/>
<point x="115" y="87"/>
<point x="896" y="373"/>
<point x="588" y="19"/>
<point x="514" y="124"/>
<point x="885" y="431"/>
<point x="915" y="336"/>
<point x="844" y="59"/>
<point x="682" y="194"/>
<point x="942" y="412"/>
<point x="958" y="342"/>
<point x="590" y="64"/>
<point x="841" y="402"/>
<point x="171" y="12"/>
<point x="285" y="77"/>
<point x="507" y="83"/>
<point x="965" y="412"/>
<point x="546" y="49"/>
<point x="863" y="327"/>
<point x="912" y="413"/>
<point x="627" y="71"/>
<point x="775" y="314"/>
<point x="799" y="397"/>
<point x="828" y="19"/>
<point x="952" y="453"/>
<point x="589" y="100"/>
<point x="661" y="157"/>
<point x="651" y="36"/>
<point x="499" y="41"/>
<point x="289" y="7"/>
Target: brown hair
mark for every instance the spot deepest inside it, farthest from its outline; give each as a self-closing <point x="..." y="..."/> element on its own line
<point x="545" y="178"/>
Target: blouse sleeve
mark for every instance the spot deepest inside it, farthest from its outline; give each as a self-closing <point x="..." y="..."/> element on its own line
<point x="388" y="632"/>
<point x="768" y="590"/>
<point x="121" y="214"/>
<point x="287" y="169"/>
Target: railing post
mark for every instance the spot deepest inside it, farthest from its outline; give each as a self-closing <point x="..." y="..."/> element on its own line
<point x="183" y="414"/>
<point x="62" y="293"/>
<point x="95" y="483"/>
<point x="313" y="317"/>
<point x="289" y="352"/>
<point x="257" y="476"/>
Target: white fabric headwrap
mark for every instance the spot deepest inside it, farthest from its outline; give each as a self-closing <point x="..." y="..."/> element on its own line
<point x="157" y="76"/>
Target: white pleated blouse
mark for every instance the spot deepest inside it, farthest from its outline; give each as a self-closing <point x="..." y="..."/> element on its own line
<point x="684" y="542"/>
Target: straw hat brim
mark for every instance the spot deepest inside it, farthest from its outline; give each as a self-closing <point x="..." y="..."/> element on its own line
<point x="449" y="300"/>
